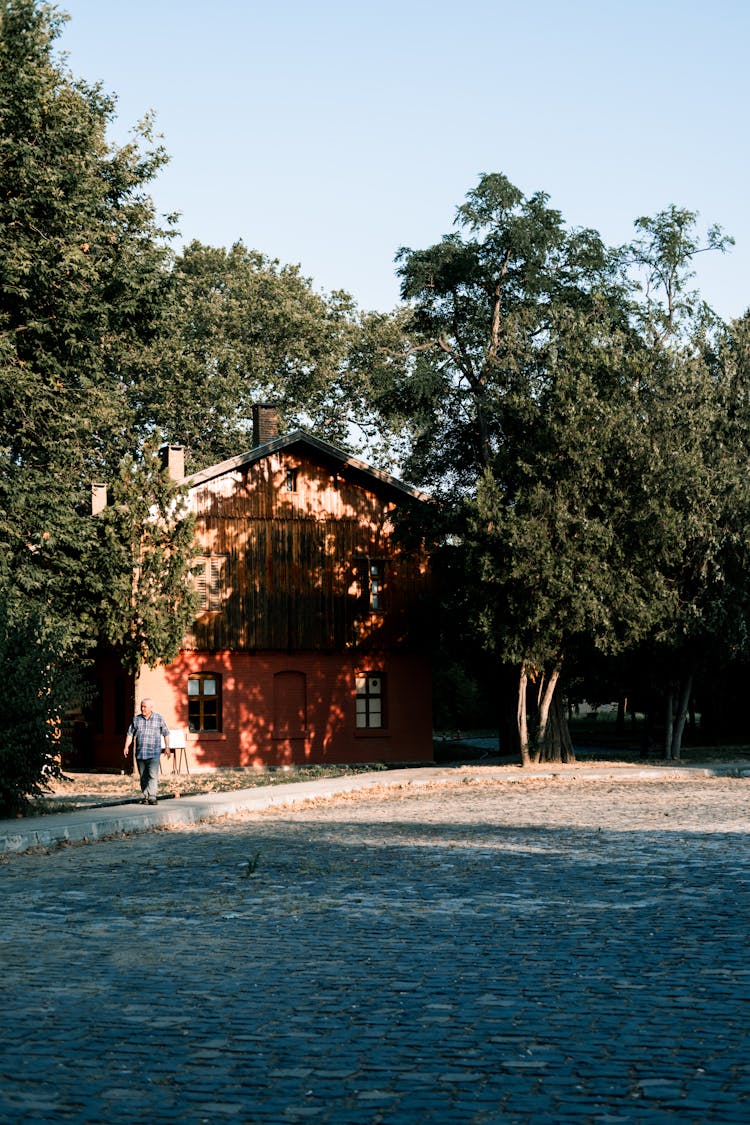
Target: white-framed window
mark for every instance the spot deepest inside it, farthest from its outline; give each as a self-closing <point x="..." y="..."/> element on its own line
<point x="204" y="702"/>
<point x="370" y="700"/>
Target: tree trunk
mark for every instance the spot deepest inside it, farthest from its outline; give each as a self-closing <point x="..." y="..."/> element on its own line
<point x="669" y="721"/>
<point x="622" y="706"/>
<point x="557" y="745"/>
<point x="521" y="718"/>
<point x="682" y="710"/>
<point x="545" y="702"/>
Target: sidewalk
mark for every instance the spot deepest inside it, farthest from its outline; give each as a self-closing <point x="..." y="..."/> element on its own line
<point x="85" y="825"/>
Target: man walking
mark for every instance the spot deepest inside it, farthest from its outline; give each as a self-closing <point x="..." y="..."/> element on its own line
<point x="144" y="736"/>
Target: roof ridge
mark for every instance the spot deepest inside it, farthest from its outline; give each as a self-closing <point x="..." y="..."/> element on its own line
<point x="283" y="442"/>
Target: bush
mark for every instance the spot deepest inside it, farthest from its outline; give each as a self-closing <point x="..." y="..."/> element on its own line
<point x="34" y="698"/>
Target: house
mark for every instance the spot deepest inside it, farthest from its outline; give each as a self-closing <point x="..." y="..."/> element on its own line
<point x="312" y="640"/>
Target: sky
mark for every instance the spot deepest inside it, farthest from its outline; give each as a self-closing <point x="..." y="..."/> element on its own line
<point x="330" y="133"/>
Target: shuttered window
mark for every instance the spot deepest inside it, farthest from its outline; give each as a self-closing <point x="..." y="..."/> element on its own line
<point x="376" y="568"/>
<point x="210" y="580"/>
<point x="371" y="583"/>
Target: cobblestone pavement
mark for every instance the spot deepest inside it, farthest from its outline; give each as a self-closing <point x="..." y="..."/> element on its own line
<point x="546" y="951"/>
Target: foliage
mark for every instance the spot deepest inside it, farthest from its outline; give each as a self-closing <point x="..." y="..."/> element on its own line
<point x="36" y="693"/>
<point x="660" y="261"/>
<point x="694" y="484"/>
<point x="239" y="328"/>
<point x="81" y="277"/>
<point x="503" y="311"/>
<point x="568" y="413"/>
<point x="482" y="302"/>
<point x="146" y="537"/>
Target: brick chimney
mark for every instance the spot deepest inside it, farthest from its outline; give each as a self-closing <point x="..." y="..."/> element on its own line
<point x="173" y="460"/>
<point x="265" y="423"/>
<point x="98" y="498"/>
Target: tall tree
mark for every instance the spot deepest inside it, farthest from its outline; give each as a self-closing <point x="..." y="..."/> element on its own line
<point x="694" y="480"/>
<point x="502" y="311"/>
<point x="82" y="271"/>
<point x="566" y="418"/>
<point x="240" y="328"/>
<point x="559" y="542"/>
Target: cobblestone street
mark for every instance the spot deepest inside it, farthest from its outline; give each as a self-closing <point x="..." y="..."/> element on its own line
<point x="550" y="950"/>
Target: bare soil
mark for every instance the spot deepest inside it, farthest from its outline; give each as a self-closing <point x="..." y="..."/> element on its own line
<point x="83" y="789"/>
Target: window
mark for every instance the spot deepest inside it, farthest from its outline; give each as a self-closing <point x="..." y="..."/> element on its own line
<point x="370" y="689"/>
<point x="291" y="480"/>
<point x="371" y="584"/>
<point x="375" y="576"/>
<point x="204" y="702"/>
<point x="210" y="579"/>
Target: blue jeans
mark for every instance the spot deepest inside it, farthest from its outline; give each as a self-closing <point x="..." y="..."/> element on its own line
<point x="148" y="770"/>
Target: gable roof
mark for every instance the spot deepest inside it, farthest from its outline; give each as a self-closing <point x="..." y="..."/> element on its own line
<point x="321" y="448"/>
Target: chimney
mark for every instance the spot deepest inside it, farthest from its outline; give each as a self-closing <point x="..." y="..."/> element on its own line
<point x="98" y="498"/>
<point x="265" y="423"/>
<point x="173" y="460"/>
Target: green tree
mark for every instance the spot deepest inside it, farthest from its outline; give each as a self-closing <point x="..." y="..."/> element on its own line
<point x="564" y="413"/>
<point x="146" y="548"/>
<point x="694" y="489"/>
<point x="240" y="328"/>
<point x="82" y="274"/>
<point x="502" y="313"/>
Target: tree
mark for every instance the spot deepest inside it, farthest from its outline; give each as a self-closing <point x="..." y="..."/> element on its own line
<point x="146" y="548"/>
<point x="502" y="312"/>
<point x="82" y="274"/>
<point x="694" y="482"/>
<point x="240" y="328"/>
<point x="565" y="415"/>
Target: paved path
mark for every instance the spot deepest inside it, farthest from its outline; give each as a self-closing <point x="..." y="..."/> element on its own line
<point x="480" y="952"/>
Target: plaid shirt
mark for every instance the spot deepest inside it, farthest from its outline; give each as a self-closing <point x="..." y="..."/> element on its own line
<point x="147" y="734"/>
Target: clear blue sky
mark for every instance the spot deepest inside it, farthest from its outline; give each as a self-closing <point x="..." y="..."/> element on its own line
<point x="330" y="132"/>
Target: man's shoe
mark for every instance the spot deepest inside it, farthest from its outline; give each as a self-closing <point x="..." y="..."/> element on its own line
<point x="152" y="800"/>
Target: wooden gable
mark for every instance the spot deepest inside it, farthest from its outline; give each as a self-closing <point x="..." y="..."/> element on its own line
<point x="298" y="553"/>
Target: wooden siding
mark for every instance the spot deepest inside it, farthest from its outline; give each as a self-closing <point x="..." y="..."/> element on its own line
<point x="295" y="571"/>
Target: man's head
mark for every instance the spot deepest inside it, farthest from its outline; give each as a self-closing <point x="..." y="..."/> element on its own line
<point x="146" y="707"/>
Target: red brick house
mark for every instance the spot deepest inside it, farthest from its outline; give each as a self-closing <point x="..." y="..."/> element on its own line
<point x="312" y="640"/>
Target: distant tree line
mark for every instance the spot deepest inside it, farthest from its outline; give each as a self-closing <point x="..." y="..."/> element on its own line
<point x="579" y="415"/>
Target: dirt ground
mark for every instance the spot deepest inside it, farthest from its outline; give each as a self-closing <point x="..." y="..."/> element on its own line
<point x="622" y="802"/>
<point x="88" y="789"/>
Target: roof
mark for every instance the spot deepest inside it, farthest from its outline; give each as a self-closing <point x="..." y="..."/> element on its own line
<point x="316" y="446"/>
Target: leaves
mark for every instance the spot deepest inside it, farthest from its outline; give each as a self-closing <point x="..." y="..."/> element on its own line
<point x="82" y="263"/>
<point x="144" y="557"/>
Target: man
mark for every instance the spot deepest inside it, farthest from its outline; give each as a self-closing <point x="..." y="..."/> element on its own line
<point x="144" y="736"/>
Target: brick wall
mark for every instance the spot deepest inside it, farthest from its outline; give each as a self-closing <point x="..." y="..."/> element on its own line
<point x="251" y="733"/>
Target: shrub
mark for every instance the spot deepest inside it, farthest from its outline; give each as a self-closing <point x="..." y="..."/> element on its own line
<point x="35" y="695"/>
